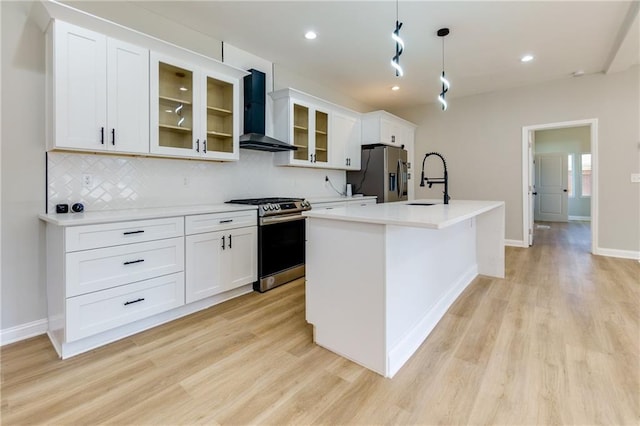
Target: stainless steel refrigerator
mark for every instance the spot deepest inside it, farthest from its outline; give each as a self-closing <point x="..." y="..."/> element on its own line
<point x="383" y="173"/>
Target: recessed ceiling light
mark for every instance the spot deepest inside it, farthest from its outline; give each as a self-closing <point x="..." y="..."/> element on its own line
<point x="526" y="58"/>
<point x="578" y="73"/>
<point x="395" y="88"/>
<point x="310" y="35"/>
<point x="184" y="89"/>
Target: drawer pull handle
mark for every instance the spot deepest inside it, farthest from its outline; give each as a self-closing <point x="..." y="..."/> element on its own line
<point x="131" y="302"/>
<point x="133" y="261"/>
<point x="226" y="221"/>
<point x="133" y="232"/>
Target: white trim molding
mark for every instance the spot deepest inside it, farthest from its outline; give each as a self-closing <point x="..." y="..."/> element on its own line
<point x="526" y="131"/>
<point x="582" y="218"/>
<point x="23" y="331"/>
<point x="516" y="243"/>
<point x="622" y="254"/>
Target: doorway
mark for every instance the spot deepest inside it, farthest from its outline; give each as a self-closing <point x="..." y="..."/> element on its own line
<point x="566" y="168"/>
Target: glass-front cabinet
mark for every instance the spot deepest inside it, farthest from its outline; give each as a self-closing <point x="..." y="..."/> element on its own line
<point x="192" y="111"/>
<point x="175" y="107"/>
<point x="304" y="125"/>
<point x="219" y="104"/>
<point x="301" y="132"/>
<point x="321" y="135"/>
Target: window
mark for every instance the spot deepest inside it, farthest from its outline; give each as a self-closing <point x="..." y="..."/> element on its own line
<point x="570" y="176"/>
<point x="585" y="175"/>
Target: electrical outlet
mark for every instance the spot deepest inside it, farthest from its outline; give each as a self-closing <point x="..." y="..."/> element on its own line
<point x="185" y="181"/>
<point x="87" y="181"/>
<point x="635" y="177"/>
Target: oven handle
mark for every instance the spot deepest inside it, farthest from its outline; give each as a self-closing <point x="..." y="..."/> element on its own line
<point x="280" y="219"/>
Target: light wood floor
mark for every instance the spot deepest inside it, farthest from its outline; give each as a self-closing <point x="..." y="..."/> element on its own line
<point x="556" y="342"/>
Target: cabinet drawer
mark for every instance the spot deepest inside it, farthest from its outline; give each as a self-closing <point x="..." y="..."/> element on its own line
<point x="93" y="313"/>
<point x="99" y="269"/>
<point x="327" y="206"/>
<point x="113" y="234"/>
<point x="197" y="224"/>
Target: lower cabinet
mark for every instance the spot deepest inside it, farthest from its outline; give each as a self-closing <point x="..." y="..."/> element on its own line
<point x="96" y="312"/>
<point x="220" y="261"/>
<point x="107" y="281"/>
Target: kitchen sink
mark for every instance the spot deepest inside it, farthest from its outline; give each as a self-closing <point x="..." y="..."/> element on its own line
<point x="422" y="204"/>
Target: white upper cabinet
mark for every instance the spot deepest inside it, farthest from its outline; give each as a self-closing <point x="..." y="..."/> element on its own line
<point x="325" y="135"/>
<point x="385" y="128"/>
<point x="193" y="111"/>
<point x="303" y="124"/>
<point x="346" y="136"/>
<point x="98" y="90"/>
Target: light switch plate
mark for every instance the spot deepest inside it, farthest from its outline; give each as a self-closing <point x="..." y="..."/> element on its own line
<point x="635" y="177"/>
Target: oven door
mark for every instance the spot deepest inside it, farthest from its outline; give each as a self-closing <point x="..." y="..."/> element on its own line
<point x="281" y="255"/>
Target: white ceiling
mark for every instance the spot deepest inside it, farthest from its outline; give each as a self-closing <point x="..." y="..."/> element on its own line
<point x="354" y="47"/>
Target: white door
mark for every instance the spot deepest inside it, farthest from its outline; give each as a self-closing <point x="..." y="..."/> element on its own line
<point x="80" y="87"/>
<point x="204" y="265"/>
<point x="551" y="185"/>
<point x="128" y="99"/>
<point x="532" y="186"/>
<point x="242" y="249"/>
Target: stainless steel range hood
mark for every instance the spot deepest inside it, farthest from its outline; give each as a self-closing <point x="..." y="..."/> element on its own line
<point x="254" y="117"/>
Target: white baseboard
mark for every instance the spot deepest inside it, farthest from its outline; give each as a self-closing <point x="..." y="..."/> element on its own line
<point x="582" y="218"/>
<point x="23" y="331"/>
<point x="623" y="254"/>
<point x="515" y="243"/>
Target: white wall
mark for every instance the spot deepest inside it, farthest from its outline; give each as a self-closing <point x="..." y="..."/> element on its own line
<point x="23" y="167"/>
<point x="23" y="298"/>
<point x="569" y="140"/>
<point x="480" y="136"/>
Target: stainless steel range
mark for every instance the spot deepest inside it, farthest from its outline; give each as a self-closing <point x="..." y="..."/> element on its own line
<point x="281" y="240"/>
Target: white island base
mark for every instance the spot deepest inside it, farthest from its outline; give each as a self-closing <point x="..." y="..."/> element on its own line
<point x="380" y="277"/>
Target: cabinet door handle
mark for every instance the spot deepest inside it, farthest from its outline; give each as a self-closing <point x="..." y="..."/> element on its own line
<point x="197" y="145"/>
<point x="204" y="146"/>
<point x="131" y="302"/>
<point x="113" y="136"/>
<point x="229" y="240"/>
<point x="226" y="221"/>
<point x="102" y="135"/>
<point x="130" y="262"/>
<point x="223" y="242"/>
<point x="140" y="231"/>
<point x="393" y="138"/>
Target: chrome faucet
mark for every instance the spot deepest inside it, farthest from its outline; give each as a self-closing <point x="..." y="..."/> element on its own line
<point x="431" y="181"/>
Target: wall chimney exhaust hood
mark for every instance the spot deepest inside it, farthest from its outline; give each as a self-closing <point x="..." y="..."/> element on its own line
<point x="254" y="117"/>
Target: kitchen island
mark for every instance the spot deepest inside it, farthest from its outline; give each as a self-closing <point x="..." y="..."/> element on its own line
<point x="380" y="277"/>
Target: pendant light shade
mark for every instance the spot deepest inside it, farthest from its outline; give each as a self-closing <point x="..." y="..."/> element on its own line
<point x="395" y="35"/>
<point x="443" y="32"/>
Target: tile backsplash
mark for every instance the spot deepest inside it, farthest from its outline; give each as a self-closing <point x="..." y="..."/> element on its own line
<point x="110" y="182"/>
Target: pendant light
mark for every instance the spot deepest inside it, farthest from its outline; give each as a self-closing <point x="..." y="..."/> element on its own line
<point x="395" y="35"/>
<point x="443" y="32"/>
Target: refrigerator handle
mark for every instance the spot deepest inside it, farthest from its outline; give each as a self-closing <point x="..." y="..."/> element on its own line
<point x="399" y="172"/>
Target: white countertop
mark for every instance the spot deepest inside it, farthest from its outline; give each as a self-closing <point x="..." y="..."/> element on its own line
<point x="106" y="216"/>
<point x="337" y="198"/>
<point x="437" y="216"/>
